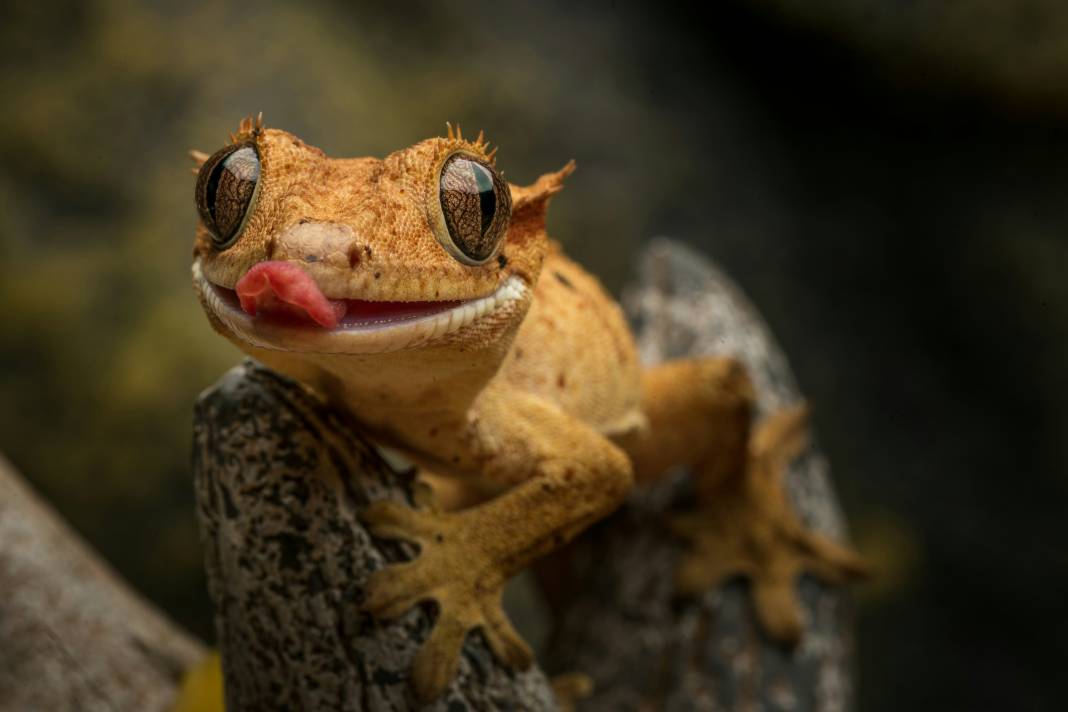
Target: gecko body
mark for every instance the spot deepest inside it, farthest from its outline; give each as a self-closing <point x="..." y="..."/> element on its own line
<point x="421" y="295"/>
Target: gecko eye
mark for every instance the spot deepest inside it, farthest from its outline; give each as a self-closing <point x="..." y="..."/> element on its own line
<point x="475" y="205"/>
<point x="226" y="189"/>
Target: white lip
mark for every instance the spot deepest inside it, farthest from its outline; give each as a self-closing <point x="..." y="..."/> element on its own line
<point x="363" y="339"/>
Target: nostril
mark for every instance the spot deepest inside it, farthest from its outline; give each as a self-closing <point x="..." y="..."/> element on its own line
<point x="354" y="255"/>
<point x="308" y="240"/>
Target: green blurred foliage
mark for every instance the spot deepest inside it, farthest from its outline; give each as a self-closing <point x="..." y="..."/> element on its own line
<point x="885" y="179"/>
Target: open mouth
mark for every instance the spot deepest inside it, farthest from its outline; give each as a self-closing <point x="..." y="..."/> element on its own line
<point x="277" y="305"/>
<point x="284" y="292"/>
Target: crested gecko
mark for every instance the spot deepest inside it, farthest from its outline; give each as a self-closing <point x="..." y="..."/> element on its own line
<point x="421" y="295"/>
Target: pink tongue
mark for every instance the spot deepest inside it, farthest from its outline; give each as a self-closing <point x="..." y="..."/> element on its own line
<point x="284" y="288"/>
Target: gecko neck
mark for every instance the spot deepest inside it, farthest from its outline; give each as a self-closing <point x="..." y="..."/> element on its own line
<point x="444" y="378"/>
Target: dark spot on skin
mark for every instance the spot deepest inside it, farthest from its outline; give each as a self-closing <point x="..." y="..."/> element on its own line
<point x="433" y="432"/>
<point x="377" y="275"/>
<point x="455" y="459"/>
<point x="546" y="487"/>
<point x="561" y="382"/>
<point x="563" y="280"/>
<point x="311" y="258"/>
<point x="367" y="251"/>
<point x="502" y="261"/>
<point x="354" y="256"/>
<point x="569" y="474"/>
<point x="303" y="221"/>
<point x="439" y="538"/>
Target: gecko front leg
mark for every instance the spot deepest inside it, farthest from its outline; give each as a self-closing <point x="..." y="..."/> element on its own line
<point x="566" y="477"/>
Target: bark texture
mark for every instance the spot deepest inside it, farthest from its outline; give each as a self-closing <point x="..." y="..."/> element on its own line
<point x="280" y="481"/>
<point x="72" y="635"/>
<point x="645" y="650"/>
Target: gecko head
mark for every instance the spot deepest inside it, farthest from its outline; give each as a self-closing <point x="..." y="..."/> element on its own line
<point x="296" y="251"/>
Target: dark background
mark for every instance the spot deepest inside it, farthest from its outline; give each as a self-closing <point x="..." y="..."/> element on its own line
<point x="885" y="179"/>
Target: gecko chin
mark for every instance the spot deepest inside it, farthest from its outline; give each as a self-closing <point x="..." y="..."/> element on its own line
<point x="343" y="326"/>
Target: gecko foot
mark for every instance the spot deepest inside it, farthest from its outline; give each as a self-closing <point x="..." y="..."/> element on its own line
<point x="748" y="528"/>
<point x="453" y="571"/>
<point x="570" y="688"/>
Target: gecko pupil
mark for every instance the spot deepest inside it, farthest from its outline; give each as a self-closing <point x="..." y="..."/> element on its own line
<point x="487" y="201"/>
<point x="225" y="189"/>
<point x="475" y="203"/>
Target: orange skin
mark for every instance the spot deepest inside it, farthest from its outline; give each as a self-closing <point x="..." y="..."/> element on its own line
<point x="537" y="410"/>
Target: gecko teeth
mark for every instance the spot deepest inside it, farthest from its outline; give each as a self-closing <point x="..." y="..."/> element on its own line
<point x="391" y="332"/>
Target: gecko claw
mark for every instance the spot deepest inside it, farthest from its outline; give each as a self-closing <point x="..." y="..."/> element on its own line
<point x="393" y="591"/>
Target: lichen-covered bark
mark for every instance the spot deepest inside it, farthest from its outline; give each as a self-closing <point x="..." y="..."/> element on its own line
<point x="280" y="481"/>
<point x="72" y="635"/>
<point x="622" y="625"/>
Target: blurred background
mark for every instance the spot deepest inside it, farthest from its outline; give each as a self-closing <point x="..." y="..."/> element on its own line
<point x="886" y="180"/>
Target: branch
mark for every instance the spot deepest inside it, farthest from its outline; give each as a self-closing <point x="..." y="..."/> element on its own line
<point x="621" y="625"/>
<point x="72" y="635"/>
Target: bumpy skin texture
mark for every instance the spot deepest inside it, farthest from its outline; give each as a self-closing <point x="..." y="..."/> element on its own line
<point x="536" y="412"/>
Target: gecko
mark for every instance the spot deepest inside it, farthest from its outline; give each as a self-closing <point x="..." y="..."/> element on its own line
<point x="420" y="295"/>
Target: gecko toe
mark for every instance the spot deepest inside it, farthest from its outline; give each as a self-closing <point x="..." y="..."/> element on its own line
<point x="393" y="591"/>
<point x="831" y="562"/>
<point x="570" y="688"/>
<point x="504" y="640"/>
<point x="778" y="609"/>
<point x="392" y="520"/>
<point x="437" y="660"/>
